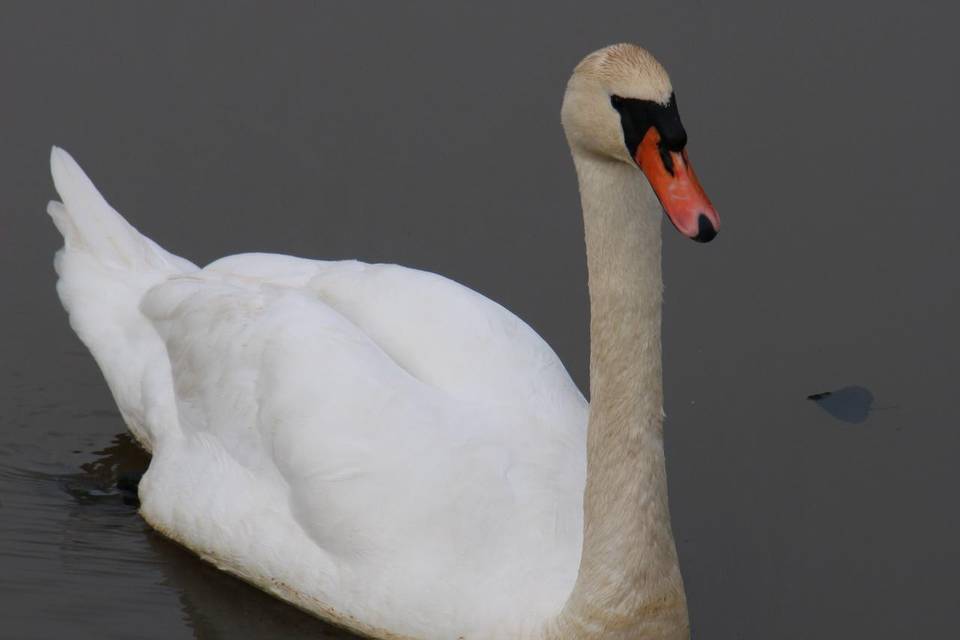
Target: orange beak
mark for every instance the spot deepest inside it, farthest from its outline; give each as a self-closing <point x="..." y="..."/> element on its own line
<point x="678" y="189"/>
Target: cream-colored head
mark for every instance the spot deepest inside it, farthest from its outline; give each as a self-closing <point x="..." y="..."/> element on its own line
<point x="619" y="106"/>
<point x="591" y="123"/>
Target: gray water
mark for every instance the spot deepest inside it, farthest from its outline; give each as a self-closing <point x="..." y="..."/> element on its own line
<point x="429" y="135"/>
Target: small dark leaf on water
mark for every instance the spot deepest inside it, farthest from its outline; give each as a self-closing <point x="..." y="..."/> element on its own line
<point x="850" y="404"/>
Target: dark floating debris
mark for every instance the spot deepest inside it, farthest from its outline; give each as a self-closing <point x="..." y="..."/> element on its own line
<point x="850" y="404"/>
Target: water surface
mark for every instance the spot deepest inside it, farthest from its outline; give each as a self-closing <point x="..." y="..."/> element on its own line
<point x="428" y="134"/>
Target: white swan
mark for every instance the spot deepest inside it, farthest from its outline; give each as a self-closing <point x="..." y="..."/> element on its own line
<point x="390" y="450"/>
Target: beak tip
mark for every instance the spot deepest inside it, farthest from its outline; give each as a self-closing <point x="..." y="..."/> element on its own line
<point x="705" y="229"/>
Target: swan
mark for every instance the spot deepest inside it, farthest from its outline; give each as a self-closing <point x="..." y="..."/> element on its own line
<point x="392" y="451"/>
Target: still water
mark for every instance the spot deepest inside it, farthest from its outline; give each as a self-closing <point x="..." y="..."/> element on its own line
<point x="427" y="134"/>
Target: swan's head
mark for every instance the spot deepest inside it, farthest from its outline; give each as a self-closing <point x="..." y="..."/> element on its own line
<point x="620" y="105"/>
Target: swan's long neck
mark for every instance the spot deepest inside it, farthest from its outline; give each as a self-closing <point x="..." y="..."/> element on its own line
<point x="629" y="583"/>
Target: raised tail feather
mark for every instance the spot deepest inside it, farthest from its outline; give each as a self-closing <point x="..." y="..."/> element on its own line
<point x="89" y="224"/>
<point x="106" y="267"/>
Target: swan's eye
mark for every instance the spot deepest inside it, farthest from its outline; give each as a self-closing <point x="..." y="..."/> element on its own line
<point x="616" y="101"/>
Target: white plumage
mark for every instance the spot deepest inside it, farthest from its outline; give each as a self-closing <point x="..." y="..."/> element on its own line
<point x="377" y="444"/>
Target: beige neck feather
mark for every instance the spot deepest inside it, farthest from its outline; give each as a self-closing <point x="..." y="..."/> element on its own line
<point x="629" y="583"/>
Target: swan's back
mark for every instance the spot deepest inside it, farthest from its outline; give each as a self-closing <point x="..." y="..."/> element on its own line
<point x="378" y="445"/>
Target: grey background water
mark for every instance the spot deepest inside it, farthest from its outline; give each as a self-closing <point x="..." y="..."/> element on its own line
<point x="428" y="134"/>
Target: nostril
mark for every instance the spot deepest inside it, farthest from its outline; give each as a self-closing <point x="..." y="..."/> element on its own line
<point x="705" y="230"/>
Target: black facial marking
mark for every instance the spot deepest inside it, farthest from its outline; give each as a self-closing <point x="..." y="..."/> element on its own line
<point x="665" y="157"/>
<point x="636" y="118"/>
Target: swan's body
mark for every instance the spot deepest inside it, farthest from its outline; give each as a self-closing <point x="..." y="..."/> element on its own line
<point x="382" y="446"/>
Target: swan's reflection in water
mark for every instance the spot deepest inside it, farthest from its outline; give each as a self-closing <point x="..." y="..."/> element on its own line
<point x="214" y="604"/>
